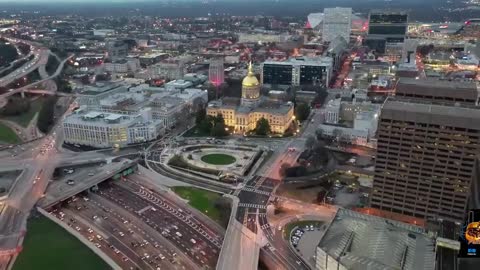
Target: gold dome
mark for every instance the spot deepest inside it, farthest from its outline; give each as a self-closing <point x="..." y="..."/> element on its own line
<point x="250" y="80"/>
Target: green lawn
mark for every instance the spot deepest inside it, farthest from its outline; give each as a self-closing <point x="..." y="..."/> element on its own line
<point x="195" y="132"/>
<point x="48" y="246"/>
<point x="7" y="135"/>
<point x="302" y="224"/>
<point x="25" y="118"/>
<point x="200" y="199"/>
<point x="218" y="159"/>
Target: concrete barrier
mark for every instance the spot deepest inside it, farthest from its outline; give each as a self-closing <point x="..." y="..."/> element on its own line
<point x="82" y="239"/>
<point x="231" y="221"/>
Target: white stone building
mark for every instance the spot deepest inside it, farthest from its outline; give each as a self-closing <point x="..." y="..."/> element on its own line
<point x="103" y="130"/>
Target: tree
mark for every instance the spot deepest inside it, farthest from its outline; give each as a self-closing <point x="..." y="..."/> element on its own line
<point x="262" y="127"/>
<point x="319" y="134"/>
<point x="8" y="53"/>
<point x="310" y="142"/>
<point x="205" y="126"/>
<point x="63" y="85"/>
<point x="218" y="127"/>
<point x="45" y="116"/>
<point x="337" y="133"/>
<point x="302" y="111"/>
<point x="200" y="116"/>
<point x="16" y="106"/>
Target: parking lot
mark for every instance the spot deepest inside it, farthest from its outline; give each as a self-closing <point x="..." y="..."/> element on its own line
<point x="305" y="238"/>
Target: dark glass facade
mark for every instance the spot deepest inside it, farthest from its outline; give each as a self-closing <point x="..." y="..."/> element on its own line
<point x="376" y="44"/>
<point x="277" y="74"/>
<point x="310" y="75"/>
<point x="388" y="18"/>
<point x="387" y="29"/>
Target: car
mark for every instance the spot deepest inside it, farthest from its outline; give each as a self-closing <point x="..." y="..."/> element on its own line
<point x="91" y="174"/>
<point x="193" y="241"/>
<point x="161" y="256"/>
<point x="70" y="182"/>
<point x="146" y="255"/>
<point x="178" y="234"/>
<point x="116" y="251"/>
<point x="98" y="245"/>
<point x="121" y="234"/>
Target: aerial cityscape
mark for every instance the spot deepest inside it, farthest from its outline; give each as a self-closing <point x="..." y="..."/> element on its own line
<point x="240" y="135"/>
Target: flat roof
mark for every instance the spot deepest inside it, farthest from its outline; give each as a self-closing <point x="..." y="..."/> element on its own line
<point x="465" y="116"/>
<point x="360" y="241"/>
<point x="303" y="61"/>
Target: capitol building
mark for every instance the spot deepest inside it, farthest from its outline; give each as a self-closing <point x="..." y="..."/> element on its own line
<point x="243" y="114"/>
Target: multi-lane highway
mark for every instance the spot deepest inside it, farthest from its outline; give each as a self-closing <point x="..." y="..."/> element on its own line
<point x="40" y="58"/>
<point x="143" y="228"/>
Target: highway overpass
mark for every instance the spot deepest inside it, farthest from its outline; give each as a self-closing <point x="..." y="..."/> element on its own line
<point x="59" y="190"/>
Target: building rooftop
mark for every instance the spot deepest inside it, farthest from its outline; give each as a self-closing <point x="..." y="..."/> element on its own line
<point x="98" y="117"/>
<point x="437" y="87"/>
<point x="100" y="88"/>
<point x="361" y="242"/>
<point x="304" y="61"/>
<point x="402" y="109"/>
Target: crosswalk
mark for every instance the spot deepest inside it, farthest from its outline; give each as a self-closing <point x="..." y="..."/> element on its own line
<point x="251" y="189"/>
<point x="265" y="226"/>
<point x="251" y="205"/>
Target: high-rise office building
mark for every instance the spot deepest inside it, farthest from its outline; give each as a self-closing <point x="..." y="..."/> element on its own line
<point x="426" y="162"/>
<point x="298" y="71"/>
<point x="386" y="32"/>
<point x="216" y="72"/>
<point x="337" y="22"/>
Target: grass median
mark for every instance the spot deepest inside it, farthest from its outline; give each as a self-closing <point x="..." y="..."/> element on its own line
<point x="7" y="135"/>
<point x="25" y="118"/>
<point x="202" y="200"/>
<point x="48" y="246"/>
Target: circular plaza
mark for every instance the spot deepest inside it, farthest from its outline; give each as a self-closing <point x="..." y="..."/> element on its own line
<point x="221" y="161"/>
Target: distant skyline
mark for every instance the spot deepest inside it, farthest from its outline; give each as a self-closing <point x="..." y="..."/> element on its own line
<point x="426" y="10"/>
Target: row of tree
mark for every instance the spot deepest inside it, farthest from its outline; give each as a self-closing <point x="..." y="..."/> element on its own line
<point x="46" y="114"/>
<point x="213" y="125"/>
<point x="8" y="53"/>
<point x="16" y="106"/>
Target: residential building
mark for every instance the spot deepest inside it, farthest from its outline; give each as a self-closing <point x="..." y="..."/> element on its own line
<point x="168" y="70"/>
<point x="117" y="50"/>
<point x="427" y="159"/>
<point x="104" y="130"/>
<point x="298" y="71"/>
<point x="123" y="66"/>
<point x="337" y="22"/>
